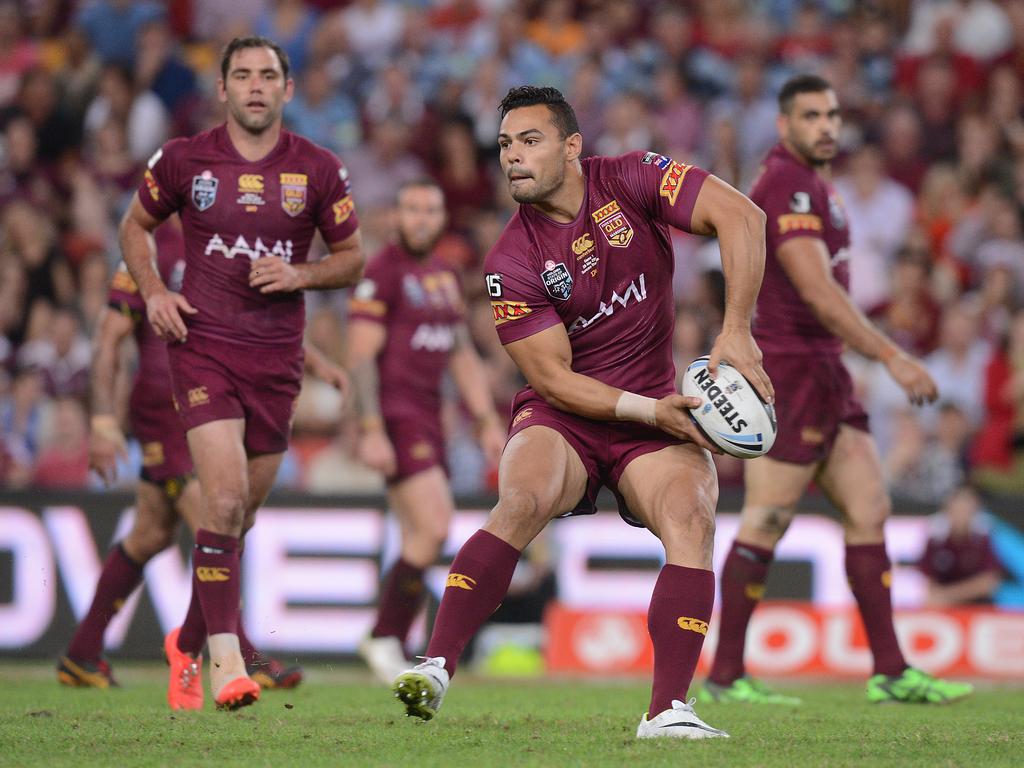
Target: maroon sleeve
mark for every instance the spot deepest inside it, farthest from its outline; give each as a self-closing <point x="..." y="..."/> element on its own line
<point x="924" y="565"/>
<point x="124" y="294"/>
<point x="374" y="296"/>
<point x="335" y="212"/>
<point x="162" y="191"/>
<point x="794" y="207"/>
<point x="521" y="306"/>
<point x="665" y="188"/>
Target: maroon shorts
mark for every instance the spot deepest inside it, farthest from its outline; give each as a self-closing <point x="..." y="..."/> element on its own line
<point x="813" y="397"/>
<point x="156" y="425"/>
<point x="215" y="380"/>
<point x="605" y="447"/>
<point x="418" y="440"/>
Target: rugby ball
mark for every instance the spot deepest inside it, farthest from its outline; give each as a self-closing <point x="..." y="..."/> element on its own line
<point x="731" y="414"/>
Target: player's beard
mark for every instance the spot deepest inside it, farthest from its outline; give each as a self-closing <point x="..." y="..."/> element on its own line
<point x="253" y="124"/>
<point x="539" y="193"/>
<point x="811" y="153"/>
<point x="418" y="252"/>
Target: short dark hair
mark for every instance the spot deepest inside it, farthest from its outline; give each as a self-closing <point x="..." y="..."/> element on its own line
<point x="801" y="84"/>
<point x="562" y="113"/>
<point x="419" y="182"/>
<point x="252" y="42"/>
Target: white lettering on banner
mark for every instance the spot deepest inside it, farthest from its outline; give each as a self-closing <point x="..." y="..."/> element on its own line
<point x="996" y="645"/>
<point x="34" y="596"/>
<point x="838" y="649"/>
<point x="606" y="640"/>
<point x="298" y="557"/>
<point x="241" y="247"/>
<point x="930" y="640"/>
<point x="168" y="577"/>
<point x="766" y="629"/>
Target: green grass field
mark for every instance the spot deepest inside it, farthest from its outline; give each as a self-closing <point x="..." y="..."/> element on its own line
<point x="338" y="717"/>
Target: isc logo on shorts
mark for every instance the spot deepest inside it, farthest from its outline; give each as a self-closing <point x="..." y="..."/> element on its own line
<point x="693" y="625"/>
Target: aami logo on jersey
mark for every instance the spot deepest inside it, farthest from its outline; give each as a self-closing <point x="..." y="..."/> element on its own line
<point x="719" y="399"/>
<point x="241" y="247"/>
<point x="433" y="338"/>
<point x="612" y="221"/>
<point x="672" y="181"/>
<point x="637" y="290"/>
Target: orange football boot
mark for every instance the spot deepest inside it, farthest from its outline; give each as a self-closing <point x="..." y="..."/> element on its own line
<point x="185" y="687"/>
<point x="240" y="692"/>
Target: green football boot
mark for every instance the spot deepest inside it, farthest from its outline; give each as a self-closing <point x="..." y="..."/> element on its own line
<point x="745" y="690"/>
<point x="913" y="686"/>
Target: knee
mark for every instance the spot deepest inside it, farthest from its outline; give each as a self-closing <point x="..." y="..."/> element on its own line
<point x="518" y="517"/>
<point x="225" y="510"/>
<point x="770" y="522"/>
<point x="142" y="545"/>
<point x="695" y="525"/>
<point x="868" y="518"/>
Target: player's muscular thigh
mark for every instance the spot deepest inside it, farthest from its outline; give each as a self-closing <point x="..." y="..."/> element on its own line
<point x="540" y="477"/>
<point x="773" y="489"/>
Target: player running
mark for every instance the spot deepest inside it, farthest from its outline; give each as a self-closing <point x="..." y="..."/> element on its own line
<point x="406" y="327"/>
<point x="251" y="196"/>
<point x="581" y="286"/>
<point x="804" y="317"/>
<point x="167" y="491"/>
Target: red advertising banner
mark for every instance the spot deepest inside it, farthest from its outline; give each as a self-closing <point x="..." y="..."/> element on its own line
<point x="792" y="638"/>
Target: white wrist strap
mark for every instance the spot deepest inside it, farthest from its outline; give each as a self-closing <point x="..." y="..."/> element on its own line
<point x="632" y="407"/>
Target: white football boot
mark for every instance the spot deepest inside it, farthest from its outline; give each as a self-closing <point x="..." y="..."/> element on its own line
<point x="680" y="722"/>
<point x="422" y="688"/>
<point x="384" y="656"/>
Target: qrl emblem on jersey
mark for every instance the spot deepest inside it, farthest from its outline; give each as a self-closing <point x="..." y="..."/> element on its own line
<point x="557" y="281"/>
<point x="612" y="221"/>
<point x="293" y="193"/>
<point x="204" y="190"/>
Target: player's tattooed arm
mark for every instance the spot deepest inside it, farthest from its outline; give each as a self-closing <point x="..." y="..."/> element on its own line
<point x="740" y="227"/>
<point x="106" y="440"/>
<point x="545" y="358"/>
<point x="163" y="308"/>
<point x="366" y="340"/>
<point x="808" y="266"/>
<point x="468" y="372"/>
<point x="340" y="268"/>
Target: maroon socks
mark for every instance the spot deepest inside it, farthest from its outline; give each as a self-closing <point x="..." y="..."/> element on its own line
<point x="743" y="577"/>
<point x="868" y="569"/>
<point x="400" y="600"/>
<point x="678" y="623"/>
<point x="118" y="579"/>
<point x="477" y="583"/>
<point x="216" y="580"/>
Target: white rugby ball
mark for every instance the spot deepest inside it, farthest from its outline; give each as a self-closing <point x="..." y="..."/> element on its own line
<point x="732" y="414"/>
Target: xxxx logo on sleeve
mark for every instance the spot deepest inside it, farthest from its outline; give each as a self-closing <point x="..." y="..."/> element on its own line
<point x="460" y="581"/>
<point x="693" y="625"/>
<point x="507" y="311"/>
<point x="672" y="181"/>
<point x="213" y="573"/>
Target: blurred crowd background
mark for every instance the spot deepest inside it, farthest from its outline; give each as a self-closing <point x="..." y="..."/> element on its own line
<point x="932" y="174"/>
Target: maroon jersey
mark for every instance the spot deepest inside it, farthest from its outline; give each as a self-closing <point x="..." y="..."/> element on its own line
<point x="233" y="212"/>
<point x="420" y="305"/>
<point x="947" y="560"/>
<point x="151" y="390"/>
<point x="798" y="203"/>
<point x="606" y="276"/>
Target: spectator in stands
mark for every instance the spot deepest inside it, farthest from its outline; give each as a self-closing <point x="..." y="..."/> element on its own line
<point x="910" y="315"/>
<point x="923" y="465"/>
<point x="62" y="356"/>
<point x="18" y="54"/>
<point x="112" y="26"/>
<point x="323" y="113"/>
<point x="879" y="211"/>
<point x="959" y="562"/>
<point x="958" y="365"/>
<point x="999" y="448"/>
<point x="159" y="68"/>
<point x="146" y="120"/>
<point x="291" y="24"/>
<point x="22" y="413"/>
<point x="64" y="456"/>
